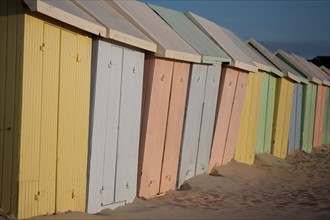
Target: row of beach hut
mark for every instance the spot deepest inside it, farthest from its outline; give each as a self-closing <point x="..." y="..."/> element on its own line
<point x="105" y="101"/>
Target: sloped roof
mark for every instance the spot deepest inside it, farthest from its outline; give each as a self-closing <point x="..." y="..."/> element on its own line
<point x="169" y="43"/>
<point x="326" y="70"/>
<point x="96" y="17"/>
<point x="325" y="79"/>
<point x="217" y="34"/>
<point x="210" y="52"/>
<point x="296" y="64"/>
<point x="280" y="64"/>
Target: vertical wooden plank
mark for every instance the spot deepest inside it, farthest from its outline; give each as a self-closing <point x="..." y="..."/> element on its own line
<point x="192" y="123"/>
<point x="270" y="114"/>
<point x="253" y="119"/>
<point x="241" y="143"/>
<point x="49" y="113"/>
<point x="174" y="126"/>
<point x="262" y="130"/>
<point x="31" y="112"/>
<point x="287" y="115"/>
<point x="99" y="110"/>
<point x="112" y="124"/>
<point x="7" y="126"/>
<point x="18" y="104"/>
<point x="292" y="131"/>
<point x="235" y="117"/>
<point x="81" y="106"/>
<point x="326" y="124"/>
<point x="323" y="97"/>
<point x="306" y="109"/>
<point x="224" y="107"/>
<point x="279" y="111"/>
<point x="154" y="126"/>
<point x="317" y="115"/>
<point x="130" y="113"/>
<point x="208" y="118"/>
<point x="3" y="70"/>
<point x="66" y="122"/>
<point x="298" y="118"/>
<point x="312" y="118"/>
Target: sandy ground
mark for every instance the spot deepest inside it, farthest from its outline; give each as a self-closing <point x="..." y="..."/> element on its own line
<point x="272" y="188"/>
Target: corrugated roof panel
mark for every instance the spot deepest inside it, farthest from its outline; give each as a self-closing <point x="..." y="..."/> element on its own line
<point x="210" y="52"/>
<point x="170" y="44"/>
<point x="215" y="32"/>
<point x="280" y="64"/>
<point x="288" y="59"/>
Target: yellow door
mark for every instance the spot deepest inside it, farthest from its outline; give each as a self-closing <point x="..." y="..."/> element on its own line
<point x="73" y="122"/>
<point x="54" y="127"/>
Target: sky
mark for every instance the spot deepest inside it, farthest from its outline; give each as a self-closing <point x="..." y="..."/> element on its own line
<point x="295" y="26"/>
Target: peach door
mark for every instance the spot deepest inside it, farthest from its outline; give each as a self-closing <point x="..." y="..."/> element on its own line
<point x="237" y="112"/>
<point x="230" y="102"/>
<point x="174" y="126"/>
<point x="155" y="112"/>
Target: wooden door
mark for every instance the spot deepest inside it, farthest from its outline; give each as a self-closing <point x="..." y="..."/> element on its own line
<point x="73" y="115"/>
<point x="174" y="126"/>
<point x="192" y="123"/>
<point x="155" y="113"/>
<point x="292" y="132"/>
<point x="208" y="118"/>
<point x="129" y="126"/>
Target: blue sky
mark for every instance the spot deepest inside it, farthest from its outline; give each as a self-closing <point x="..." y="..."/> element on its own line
<point x="296" y="26"/>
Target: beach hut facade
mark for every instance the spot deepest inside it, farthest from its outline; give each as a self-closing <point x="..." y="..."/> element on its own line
<point x="247" y="136"/>
<point x="232" y="91"/>
<point x="202" y="98"/>
<point x="116" y="102"/>
<point x="308" y="100"/>
<point x="164" y="97"/>
<point x="44" y="169"/>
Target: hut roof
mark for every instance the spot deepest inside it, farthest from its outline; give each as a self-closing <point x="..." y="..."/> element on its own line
<point x="96" y="17"/>
<point x="169" y="43"/>
<point x="210" y="51"/>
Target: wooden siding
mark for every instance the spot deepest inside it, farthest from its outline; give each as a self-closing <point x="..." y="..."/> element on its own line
<point x="11" y="56"/>
<point x="55" y="109"/>
<point x="283" y="106"/>
<point x="163" y="114"/>
<point x="118" y="73"/>
<point x="199" y="121"/>
<point x="295" y="121"/>
<point x="246" y="140"/>
<point x="266" y="114"/>
<point x="319" y="115"/>
<point x="229" y="109"/>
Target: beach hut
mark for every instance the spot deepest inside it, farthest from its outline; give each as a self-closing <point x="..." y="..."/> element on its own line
<point x="320" y="115"/>
<point x="164" y="97"/>
<point x="116" y="99"/>
<point x="202" y="95"/>
<point x="45" y="93"/>
<point x="260" y="93"/>
<point x="233" y="92"/>
<point x="308" y="101"/>
<point x="295" y="130"/>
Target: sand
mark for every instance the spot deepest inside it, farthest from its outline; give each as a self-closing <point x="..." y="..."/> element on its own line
<point x="272" y="188"/>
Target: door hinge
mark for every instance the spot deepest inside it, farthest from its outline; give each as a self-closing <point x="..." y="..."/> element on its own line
<point x="110" y="64"/>
<point x="78" y="58"/>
